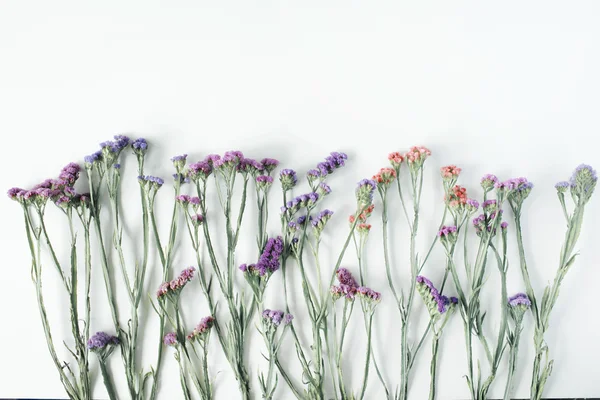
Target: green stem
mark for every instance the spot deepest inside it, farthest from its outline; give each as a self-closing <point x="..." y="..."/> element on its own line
<point x="106" y="377"/>
<point x="433" y="366"/>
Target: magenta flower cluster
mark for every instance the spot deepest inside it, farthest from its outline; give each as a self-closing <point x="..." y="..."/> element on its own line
<point x="202" y="328"/>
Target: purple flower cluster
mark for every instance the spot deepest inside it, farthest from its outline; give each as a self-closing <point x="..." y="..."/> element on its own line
<point x="175" y="286"/>
<point x="92" y="158"/>
<point x="170" y="339"/>
<point x="323" y="189"/>
<point x="269" y="259"/>
<point x="276" y="317"/>
<point x="519" y="299"/>
<point x="321" y="219"/>
<point x="345" y="277"/>
<point x="115" y="146"/>
<point x="139" y="146"/>
<point x="332" y="162"/>
<point x="447" y="230"/>
<point x="489" y="206"/>
<point x="100" y="340"/>
<point x="562" y="187"/>
<point x="583" y="181"/>
<point x="472" y="205"/>
<point x="348" y="288"/>
<point x="202" y="328"/>
<point x="436" y="302"/>
<point x="368" y="294"/>
<point x="197" y="219"/>
<point x="302" y="201"/>
<point x="488" y="182"/>
<point x="364" y="192"/>
<point x="149" y="180"/>
<point x="184" y="200"/>
<point x="269" y="164"/>
<point x="263" y="182"/>
<point x="59" y="190"/>
<point x="288" y="179"/>
<point x="199" y="170"/>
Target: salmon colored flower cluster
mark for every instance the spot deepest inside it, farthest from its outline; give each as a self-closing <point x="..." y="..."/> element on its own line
<point x="450" y="172"/>
<point x="385" y="176"/>
<point x="417" y="154"/>
<point x="457" y="197"/>
<point x="396" y="159"/>
<point x="362" y="218"/>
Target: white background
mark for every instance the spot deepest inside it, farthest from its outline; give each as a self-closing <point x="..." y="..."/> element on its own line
<point x="510" y="89"/>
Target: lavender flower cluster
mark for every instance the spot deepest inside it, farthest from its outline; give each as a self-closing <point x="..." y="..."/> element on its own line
<point x="349" y="288"/>
<point x="269" y="259"/>
<point x="100" y="340"/>
<point x="61" y="190"/>
<point x="276" y="317"/>
<point x="436" y="302"/>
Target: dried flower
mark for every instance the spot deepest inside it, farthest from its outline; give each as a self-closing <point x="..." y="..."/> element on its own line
<point x="101" y="340"/>
<point x="288" y="179"/>
<point x="202" y="330"/>
<point x="345" y="277"/>
<point x="436" y="303"/>
<point x="319" y="222"/>
<point x="175" y="286"/>
<point x="583" y="182"/>
<point x="170" y="339"/>
<point x="385" y="177"/>
<point x="199" y="170"/>
<point x="364" y="192"/>
<point x="263" y="182"/>
<point x="416" y="156"/>
<point x="488" y="181"/>
<point x="450" y="172"/>
<point x="276" y="317"/>
<point x="562" y="187"/>
<point x="396" y="159"/>
<point x="269" y="164"/>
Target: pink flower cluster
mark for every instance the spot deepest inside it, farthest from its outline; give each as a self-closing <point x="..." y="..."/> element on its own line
<point x="457" y="197"/>
<point x="450" y="172"/>
<point x="396" y="159"/>
<point x="362" y="226"/>
<point x="184" y="199"/>
<point x="202" y="328"/>
<point x="385" y="176"/>
<point x="417" y="154"/>
<point x="176" y="284"/>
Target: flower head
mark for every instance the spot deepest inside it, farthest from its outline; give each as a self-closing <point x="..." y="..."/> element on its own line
<point x="518" y="305"/>
<point x="274" y="318"/>
<point x="100" y="340"/>
<point x="319" y="222"/>
<point x="288" y="179"/>
<point x="562" y="187"/>
<point x="269" y="164"/>
<point x="450" y="172"/>
<point x="396" y="159"/>
<point x="472" y="205"/>
<point x="488" y="181"/>
<point x="174" y="287"/>
<point x="583" y="182"/>
<point x="268" y="262"/>
<point x="199" y="170"/>
<point x="248" y="165"/>
<point x="345" y="277"/>
<point x="170" y="339"/>
<point x="416" y="156"/>
<point x="364" y="192"/>
<point x="385" y="177"/>
<point x="139" y="146"/>
<point x="263" y="182"/>
<point x="436" y="303"/>
<point x="456" y="197"/>
<point x="448" y="235"/>
<point x="202" y="330"/>
<point x="368" y="294"/>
